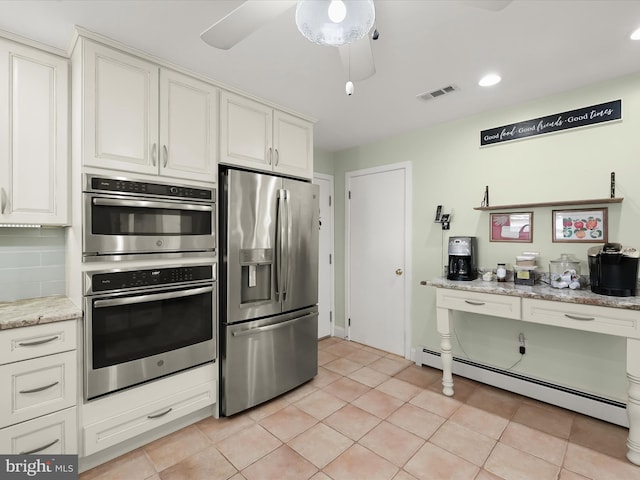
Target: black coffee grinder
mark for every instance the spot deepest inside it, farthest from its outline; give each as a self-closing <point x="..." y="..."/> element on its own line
<point x="462" y="258"/>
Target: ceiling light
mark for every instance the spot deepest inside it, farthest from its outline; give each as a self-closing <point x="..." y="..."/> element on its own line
<point x="489" y="80"/>
<point x="636" y="34"/>
<point x="335" y="22"/>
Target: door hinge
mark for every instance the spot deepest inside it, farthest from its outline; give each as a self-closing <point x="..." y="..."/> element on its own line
<point x="330" y="317"/>
<point x="329" y="200"/>
<point x="330" y="259"/>
<point x="349" y="323"/>
<point x="349" y="194"/>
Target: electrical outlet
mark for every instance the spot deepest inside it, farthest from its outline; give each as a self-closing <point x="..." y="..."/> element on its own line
<point x="521" y="342"/>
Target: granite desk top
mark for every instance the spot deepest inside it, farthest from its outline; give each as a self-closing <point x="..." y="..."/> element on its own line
<point x="35" y="311"/>
<point x="540" y="291"/>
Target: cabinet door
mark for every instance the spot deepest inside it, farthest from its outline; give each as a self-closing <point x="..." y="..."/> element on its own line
<point x="34" y="135"/>
<point x="188" y="126"/>
<point x="293" y="145"/>
<point x="246" y="132"/>
<point x="120" y="111"/>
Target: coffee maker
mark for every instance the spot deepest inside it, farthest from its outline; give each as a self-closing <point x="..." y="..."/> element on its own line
<point x="462" y="258"/>
<point x="613" y="270"/>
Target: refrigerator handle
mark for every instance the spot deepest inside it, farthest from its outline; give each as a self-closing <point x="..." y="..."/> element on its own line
<point x="280" y="226"/>
<point x="288" y="248"/>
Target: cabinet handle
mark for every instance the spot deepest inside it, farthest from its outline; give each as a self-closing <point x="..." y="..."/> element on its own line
<point x="3" y="200"/>
<point x="36" y="450"/>
<point x="474" y="303"/>
<point x="277" y="157"/>
<point x="38" y="342"/>
<point x="158" y="415"/>
<point x="154" y="154"/>
<point x="39" y="389"/>
<point x="165" y="150"/>
<point x="575" y="317"/>
<point x="270" y="155"/>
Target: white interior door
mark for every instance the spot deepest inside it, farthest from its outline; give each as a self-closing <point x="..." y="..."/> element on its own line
<point x="325" y="271"/>
<point x="378" y="217"/>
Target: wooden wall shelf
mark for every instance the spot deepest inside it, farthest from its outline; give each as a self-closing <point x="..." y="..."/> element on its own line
<point x="590" y="201"/>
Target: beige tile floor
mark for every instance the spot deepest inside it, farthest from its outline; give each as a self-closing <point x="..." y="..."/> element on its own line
<point x="371" y="415"/>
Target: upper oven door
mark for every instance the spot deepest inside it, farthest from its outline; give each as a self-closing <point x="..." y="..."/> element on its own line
<point x="118" y="224"/>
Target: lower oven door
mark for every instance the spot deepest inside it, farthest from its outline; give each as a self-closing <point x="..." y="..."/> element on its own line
<point x="130" y="339"/>
<point x="264" y="358"/>
<point x="120" y="225"/>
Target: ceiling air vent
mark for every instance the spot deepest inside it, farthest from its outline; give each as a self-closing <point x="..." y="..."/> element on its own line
<point x="436" y="93"/>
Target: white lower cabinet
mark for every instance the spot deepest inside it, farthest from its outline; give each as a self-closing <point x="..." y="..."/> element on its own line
<point x="122" y="416"/>
<point x="52" y="434"/>
<point x="39" y="373"/>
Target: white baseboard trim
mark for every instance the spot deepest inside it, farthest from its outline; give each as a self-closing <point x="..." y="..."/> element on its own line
<point x="611" y="411"/>
<point x="339" y="332"/>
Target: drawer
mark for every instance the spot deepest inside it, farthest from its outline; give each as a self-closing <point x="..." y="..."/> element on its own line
<point x="52" y="434"/>
<point x="22" y="343"/>
<point x="483" y="303"/>
<point x="37" y="387"/>
<point x="126" y="425"/>
<point x="607" y="320"/>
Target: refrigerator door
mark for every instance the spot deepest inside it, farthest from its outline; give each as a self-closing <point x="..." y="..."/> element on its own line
<point x="300" y="266"/>
<point x="250" y="252"/>
<point x="266" y="358"/>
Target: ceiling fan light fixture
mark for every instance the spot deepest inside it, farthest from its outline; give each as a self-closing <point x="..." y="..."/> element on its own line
<point x="335" y="22"/>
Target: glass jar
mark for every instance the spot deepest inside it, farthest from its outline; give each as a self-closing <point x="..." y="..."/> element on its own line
<point x="564" y="272"/>
<point x="501" y="272"/>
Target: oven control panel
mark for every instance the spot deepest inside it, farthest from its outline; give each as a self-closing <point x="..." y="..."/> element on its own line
<point x="129" y="279"/>
<point x="132" y="187"/>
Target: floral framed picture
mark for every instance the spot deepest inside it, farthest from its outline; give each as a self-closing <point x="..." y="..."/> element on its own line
<point x="511" y="227"/>
<point x="584" y="225"/>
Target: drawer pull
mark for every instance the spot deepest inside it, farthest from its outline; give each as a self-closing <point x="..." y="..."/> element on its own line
<point x="158" y="415"/>
<point x="575" y="317"/>
<point x="477" y="304"/>
<point x="38" y="342"/>
<point x="39" y="389"/>
<point x="39" y="449"/>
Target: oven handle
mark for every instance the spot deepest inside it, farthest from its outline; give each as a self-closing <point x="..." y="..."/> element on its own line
<point x="112" y="302"/>
<point x="110" y="202"/>
<point x="273" y="326"/>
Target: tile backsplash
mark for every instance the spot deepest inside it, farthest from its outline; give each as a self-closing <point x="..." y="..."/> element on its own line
<point x="32" y="263"/>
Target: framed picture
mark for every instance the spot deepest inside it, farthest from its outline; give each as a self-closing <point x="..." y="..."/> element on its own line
<point x="511" y="227"/>
<point x="585" y="225"/>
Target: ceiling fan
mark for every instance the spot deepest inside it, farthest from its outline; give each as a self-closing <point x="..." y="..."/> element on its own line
<point x="356" y="56"/>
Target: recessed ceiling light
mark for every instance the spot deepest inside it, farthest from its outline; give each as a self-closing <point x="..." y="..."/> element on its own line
<point x="636" y="34"/>
<point x="489" y="80"/>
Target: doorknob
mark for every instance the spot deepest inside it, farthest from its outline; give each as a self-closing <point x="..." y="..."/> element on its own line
<point x="399" y="271"/>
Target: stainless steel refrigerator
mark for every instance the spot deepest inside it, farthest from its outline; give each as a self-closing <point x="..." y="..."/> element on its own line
<point x="268" y="286"/>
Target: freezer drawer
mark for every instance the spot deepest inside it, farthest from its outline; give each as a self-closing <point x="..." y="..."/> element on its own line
<point x="265" y="358"/>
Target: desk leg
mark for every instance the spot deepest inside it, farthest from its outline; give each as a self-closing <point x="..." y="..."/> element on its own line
<point x="633" y="402"/>
<point x="443" y="318"/>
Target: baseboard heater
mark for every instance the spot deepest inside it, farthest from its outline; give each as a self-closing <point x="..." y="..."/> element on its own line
<point x="588" y="404"/>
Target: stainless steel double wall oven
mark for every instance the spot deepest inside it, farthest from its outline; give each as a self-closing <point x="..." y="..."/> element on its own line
<point x="142" y="322"/>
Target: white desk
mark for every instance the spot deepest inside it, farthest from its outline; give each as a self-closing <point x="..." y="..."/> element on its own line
<point x="577" y="309"/>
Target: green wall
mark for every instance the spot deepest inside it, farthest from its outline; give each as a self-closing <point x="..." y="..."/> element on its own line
<point x="450" y="169"/>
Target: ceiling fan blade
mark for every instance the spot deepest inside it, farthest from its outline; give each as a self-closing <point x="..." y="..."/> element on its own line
<point x="357" y="59"/>
<point x="494" y="5"/>
<point x="243" y="21"/>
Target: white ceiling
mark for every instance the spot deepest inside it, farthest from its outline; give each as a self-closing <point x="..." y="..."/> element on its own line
<point x="539" y="47"/>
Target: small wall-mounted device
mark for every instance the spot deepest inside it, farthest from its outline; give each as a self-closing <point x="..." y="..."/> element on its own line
<point x="442" y="218"/>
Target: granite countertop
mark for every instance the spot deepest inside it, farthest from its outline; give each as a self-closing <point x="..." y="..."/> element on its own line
<point x="540" y="291"/>
<point x="35" y="311"/>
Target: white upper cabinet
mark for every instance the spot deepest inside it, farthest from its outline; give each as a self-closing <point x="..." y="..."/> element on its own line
<point x="34" y="139"/>
<point x="256" y="136"/>
<point x="141" y="118"/>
